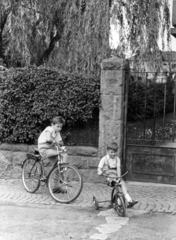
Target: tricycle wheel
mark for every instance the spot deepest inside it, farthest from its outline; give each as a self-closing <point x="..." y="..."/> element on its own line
<point x="119" y="206"/>
<point x="96" y="205"/>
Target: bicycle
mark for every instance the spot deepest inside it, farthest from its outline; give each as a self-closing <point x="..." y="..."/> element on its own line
<point x="117" y="198"/>
<point x="63" y="176"/>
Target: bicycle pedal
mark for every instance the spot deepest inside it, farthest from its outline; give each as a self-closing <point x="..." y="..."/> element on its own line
<point x="108" y="183"/>
<point x="43" y="179"/>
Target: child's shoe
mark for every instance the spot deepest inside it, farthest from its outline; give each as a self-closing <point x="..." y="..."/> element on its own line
<point x="43" y="178"/>
<point x="113" y="183"/>
<point x="132" y="203"/>
<point x="108" y="183"/>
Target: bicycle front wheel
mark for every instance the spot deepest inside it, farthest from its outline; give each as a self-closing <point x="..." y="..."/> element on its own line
<point x="66" y="184"/>
<point x="31" y="174"/>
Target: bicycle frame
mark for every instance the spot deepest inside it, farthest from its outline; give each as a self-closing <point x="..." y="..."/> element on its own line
<point x="39" y="159"/>
<point x="63" y="180"/>
<point x="58" y="163"/>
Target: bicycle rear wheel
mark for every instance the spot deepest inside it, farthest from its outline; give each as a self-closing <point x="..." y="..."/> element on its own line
<point x="65" y="185"/>
<point x="31" y="173"/>
<point x="119" y="205"/>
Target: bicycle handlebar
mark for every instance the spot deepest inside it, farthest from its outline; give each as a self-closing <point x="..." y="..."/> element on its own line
<point x="59" y="148"/>
<point x="62" y="149"/>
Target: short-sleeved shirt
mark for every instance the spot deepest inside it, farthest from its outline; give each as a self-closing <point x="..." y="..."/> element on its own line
<point x="43" y="138"/>
<point x="109" y="163"/>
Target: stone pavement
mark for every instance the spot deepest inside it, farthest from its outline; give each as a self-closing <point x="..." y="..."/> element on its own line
<point x="151" y="197"/>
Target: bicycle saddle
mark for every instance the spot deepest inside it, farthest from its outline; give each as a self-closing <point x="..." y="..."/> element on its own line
<point x="36" y="151"/>
<point x="34" y="155"/>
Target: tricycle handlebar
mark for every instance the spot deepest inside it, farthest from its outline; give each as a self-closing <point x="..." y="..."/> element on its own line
<point x="115" y="177"/>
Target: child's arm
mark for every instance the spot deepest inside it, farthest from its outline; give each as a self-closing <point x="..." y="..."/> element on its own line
<point x="49" y="137"/>
<point x="100" y="172"/>
<point x="100" y="167"/>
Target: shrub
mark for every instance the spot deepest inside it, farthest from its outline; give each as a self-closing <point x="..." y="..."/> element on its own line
<point x="30" y="97"/>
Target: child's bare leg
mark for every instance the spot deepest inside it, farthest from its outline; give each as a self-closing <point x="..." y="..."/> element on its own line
<point x="52" y="155"/>
<point x="131" y="202"/>
<point x="111" y="173"/>
<point x="125" y="192"/>
<point x="64" y="157"/>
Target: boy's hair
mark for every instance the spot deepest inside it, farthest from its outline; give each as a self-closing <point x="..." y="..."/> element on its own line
<point x="58" y="120"/>
<point x="112" y="146"/>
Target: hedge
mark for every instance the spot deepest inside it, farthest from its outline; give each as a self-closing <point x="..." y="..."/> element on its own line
<point x="31" y="97"/>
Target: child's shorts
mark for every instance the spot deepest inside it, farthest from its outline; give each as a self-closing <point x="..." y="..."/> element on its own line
<point x="45" y="152"/>
<point x="111" y="172"/>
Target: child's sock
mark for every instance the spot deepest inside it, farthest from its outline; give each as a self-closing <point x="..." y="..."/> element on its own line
<point x="128" y="198"/>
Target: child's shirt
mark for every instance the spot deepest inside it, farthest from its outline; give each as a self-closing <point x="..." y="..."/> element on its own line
<point x="43" y="138"/>
<point x="109" y="163"/>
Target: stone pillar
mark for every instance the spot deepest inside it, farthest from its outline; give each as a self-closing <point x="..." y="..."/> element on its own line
<point x="112" y="101"/>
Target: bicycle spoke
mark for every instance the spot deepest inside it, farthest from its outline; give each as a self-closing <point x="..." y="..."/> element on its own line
<point x="31" y="174"/>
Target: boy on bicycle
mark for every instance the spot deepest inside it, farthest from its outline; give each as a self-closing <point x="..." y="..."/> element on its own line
<point x="48" y="139"/>
<point x="110" y="165"/>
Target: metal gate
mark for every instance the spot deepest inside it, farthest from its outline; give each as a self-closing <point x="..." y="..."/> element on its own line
<point x="150" y="129"/>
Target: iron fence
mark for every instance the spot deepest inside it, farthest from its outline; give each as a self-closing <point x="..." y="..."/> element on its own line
<point x="83" y="133"/>
<point x="151" y="108"/>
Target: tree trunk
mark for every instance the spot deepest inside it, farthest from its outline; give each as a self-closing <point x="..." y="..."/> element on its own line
<point x="48" y="51"/>
<point x="3" y="20"/>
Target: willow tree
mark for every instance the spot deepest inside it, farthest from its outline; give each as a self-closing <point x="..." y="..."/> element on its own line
<point x="85" y="40"/>
<point x="74" y="34"/>
<point x="29" y="29"/>
<point x="142" y="24"/>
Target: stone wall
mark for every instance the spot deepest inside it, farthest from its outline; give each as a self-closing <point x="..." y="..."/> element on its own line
<point x="112" y="100"/>
<point x="13" y="155"/>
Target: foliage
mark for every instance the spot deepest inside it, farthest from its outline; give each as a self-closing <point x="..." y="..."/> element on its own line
<point x="32" y="30"/>
<point x="141" y="25"/>
<point x="31" y="97"/>
<point x="84" y="46"/>
<point x="154" y="94"/>
<point x="26" y="31"/>
<point x="74" y="34"/>
<point x="161" y="133"/>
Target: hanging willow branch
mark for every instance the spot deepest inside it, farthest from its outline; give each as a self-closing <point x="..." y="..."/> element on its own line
<point x="141" y="24"/>
<point x="85" y="40"/>
<point x="74" y="34"/>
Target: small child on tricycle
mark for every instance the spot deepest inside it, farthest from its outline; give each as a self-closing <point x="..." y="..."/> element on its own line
<point x="110" y="165"/>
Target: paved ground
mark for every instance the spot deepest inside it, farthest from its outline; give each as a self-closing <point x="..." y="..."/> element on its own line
<point x="152" y="197"/>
